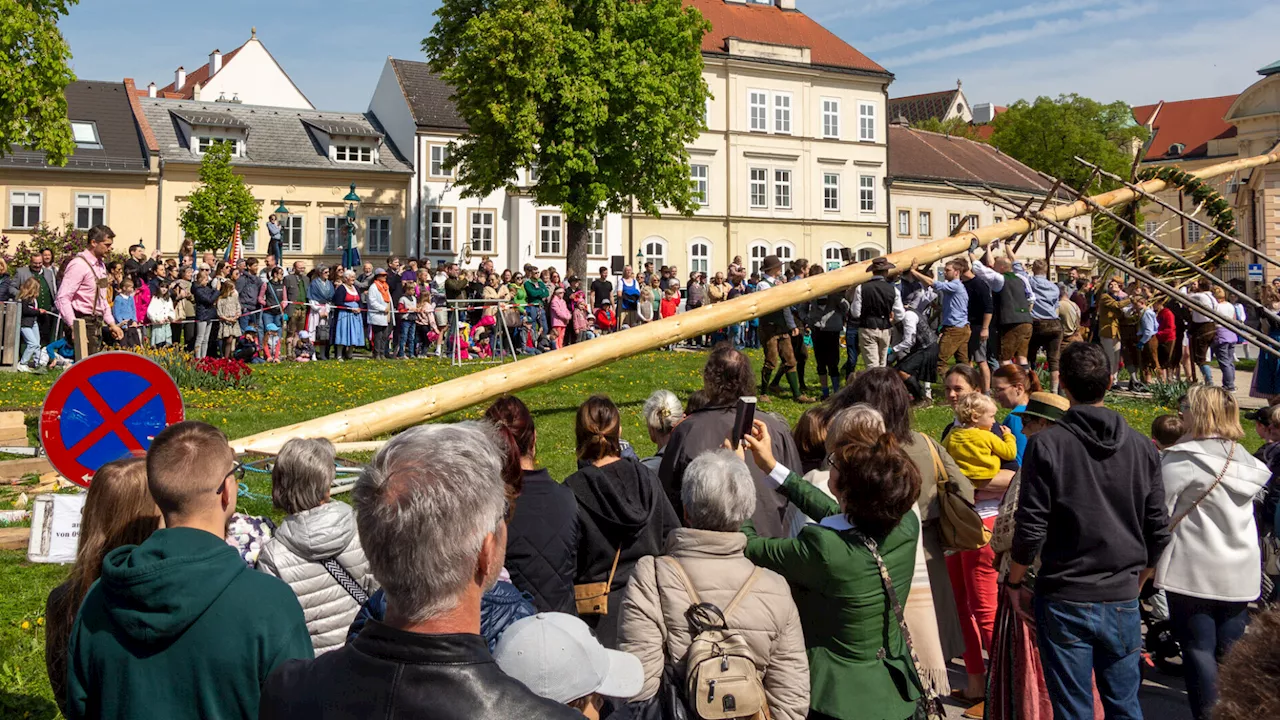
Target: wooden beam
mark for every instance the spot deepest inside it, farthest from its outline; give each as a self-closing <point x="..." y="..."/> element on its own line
<point x="418" y="406"/>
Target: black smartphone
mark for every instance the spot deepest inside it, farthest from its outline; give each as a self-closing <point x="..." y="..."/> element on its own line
<point x="742" y="420"/>
<point x="846" y="255"/>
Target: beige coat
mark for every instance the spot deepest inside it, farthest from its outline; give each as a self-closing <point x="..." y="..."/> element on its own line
<point x="654" y="628"/>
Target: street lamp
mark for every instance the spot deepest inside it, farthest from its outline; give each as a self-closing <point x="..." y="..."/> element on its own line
<point x="351" y="255"/>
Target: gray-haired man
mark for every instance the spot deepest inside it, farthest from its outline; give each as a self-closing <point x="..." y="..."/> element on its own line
<point x="430" y="513"/>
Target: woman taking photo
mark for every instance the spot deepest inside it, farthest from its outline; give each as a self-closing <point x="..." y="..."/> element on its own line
<point x="543" y="530"/>
<point x="1211" y="569"/>
<point x="118" y="511"/>
<point x="850" y="576"/>
<point x="623" y="513"/>
<point x="348" y="331"/>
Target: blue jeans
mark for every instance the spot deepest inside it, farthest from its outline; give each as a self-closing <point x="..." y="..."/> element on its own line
<point x="1225" y="354"/>
<point x="1081" y="641"/>
<point x="407" y="339"/>
<point x="851" y="350"/>
<point x="32" y="337"/>
<point x="538" y="320"/>
<point x="250" y="323"/>
<point x="1206" y="630"/>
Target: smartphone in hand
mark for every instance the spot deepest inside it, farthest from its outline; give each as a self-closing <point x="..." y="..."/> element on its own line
<point x="742" y="420"/>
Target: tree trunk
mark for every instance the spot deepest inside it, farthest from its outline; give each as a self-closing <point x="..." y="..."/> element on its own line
<point x="578" y="234"/>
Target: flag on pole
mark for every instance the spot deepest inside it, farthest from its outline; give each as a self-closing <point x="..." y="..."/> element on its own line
<point x="235" y="251"/>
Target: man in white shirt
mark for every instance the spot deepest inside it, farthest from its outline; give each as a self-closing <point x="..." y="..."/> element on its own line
<point x="1203" y="329"/>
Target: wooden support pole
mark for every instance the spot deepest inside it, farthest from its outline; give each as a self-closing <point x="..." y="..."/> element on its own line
<point x="431" y="402"/>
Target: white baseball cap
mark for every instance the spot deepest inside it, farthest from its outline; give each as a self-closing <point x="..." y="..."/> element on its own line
<point x="556" y="656"/>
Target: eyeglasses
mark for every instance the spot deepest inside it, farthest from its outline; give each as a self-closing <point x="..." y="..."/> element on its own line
<point x="237" y="471"/>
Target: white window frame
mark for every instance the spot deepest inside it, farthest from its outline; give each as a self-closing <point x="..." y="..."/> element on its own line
<point x="249" y="238"/>
<point x="333" y="234"/>
<point x="867" y="253"/>
<point x="550" y="234"/>
<point x="596" y="246"/>
<point x="831" y="254"/>
<point x="974" y="223"/>
<point x="699" y="256"/>
<point x="831" y="192"/>
<point x="84" y="201"/>
<point x="758" y="188"/>
<point x="25" y="203"/>
<point x="382" y="233"/>
<point x="867" y="129"/>
<point x="785" y="251"/>
<point x="480" y="220"/>
<point x="1150" y="227"/>
<point x="655" y="251"/>
<point x="924" y="223"/>
<point x="783" y="198"/>
<point x="758" y="111"/>
<point x="353" y="153"/>
<point x="441" y="229"/>
<point x="291" y="233"/>
<point x="953" y="222"/>
<point x="1194" y="232"/>
<point x="904" y="223"/>
<point x="700" y="176"/>
<point x="831" y="118"/>
<point x="204" y="142"/>
<point x="439" y="155"/>
<point x="85" y="134"/>
<point x="867" y="194"/>
<point x="782" y="113"/>
<point x="756" y="253"/>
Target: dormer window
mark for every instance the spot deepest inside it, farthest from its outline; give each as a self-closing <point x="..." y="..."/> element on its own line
<point x="85" y="133"/>
<point x="204" y="142"/>
<point x="353" y="153"/>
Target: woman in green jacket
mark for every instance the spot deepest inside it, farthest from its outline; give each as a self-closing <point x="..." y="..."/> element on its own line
<point x="860" y="665"/>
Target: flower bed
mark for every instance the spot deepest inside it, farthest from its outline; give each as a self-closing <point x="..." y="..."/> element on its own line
<point x="206" y="373"/>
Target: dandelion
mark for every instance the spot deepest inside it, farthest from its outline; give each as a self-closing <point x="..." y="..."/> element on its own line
<point x="26" y="625"/>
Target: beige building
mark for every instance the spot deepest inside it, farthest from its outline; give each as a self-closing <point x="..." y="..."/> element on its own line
<point x="107" y="179"/>
<point x="793" y="161"/>
<point x="926" y="209"/>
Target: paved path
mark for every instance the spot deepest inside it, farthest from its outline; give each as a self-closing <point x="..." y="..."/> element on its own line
<point x="1162" y="696"/>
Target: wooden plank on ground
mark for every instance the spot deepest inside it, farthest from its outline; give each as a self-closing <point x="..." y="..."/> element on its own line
<point x="14" y="538"/>
<point x="11" y="469"/>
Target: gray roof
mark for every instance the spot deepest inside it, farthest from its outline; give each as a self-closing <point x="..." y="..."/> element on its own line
<point x="428" y="96"/>
<point x="106" y="104"/>
<point x="277" y="137"/>
<point x="212" y="119"/>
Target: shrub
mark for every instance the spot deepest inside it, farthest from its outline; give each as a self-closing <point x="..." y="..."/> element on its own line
<point x="207" y="373"/>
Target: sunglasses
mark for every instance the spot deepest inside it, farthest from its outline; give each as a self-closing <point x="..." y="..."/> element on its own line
<point x="237" y="471"/>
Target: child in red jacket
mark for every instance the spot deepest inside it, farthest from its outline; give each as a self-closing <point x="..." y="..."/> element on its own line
<point x="606" y="319"/>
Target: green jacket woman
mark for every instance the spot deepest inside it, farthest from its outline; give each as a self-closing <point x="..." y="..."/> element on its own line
<point x="859" y="664"/>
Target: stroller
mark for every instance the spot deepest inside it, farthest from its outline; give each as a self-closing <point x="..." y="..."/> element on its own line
<point x="1160" y="649"/>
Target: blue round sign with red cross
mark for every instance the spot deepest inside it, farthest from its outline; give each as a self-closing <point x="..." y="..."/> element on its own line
<point x="106" y="407"/>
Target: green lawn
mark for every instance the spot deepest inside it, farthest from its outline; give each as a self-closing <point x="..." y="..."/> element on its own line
<point x="288" y="393"/>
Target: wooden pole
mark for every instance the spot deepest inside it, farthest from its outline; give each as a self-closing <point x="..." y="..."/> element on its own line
<point x="417" y="406"/>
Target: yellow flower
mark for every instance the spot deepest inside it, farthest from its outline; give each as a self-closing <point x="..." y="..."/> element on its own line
<point x="26" y="625"/>
<point x="40" y="621"/>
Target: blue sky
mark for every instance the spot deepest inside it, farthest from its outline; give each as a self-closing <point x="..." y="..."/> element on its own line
<point x="1139" y="51"/>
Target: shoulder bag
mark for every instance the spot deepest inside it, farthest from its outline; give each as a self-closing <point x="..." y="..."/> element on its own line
<point x="345" y="580"/>
<point x="1173" y="525"/>
<point x="593" y="598"/>
<point x="959" y="523"/>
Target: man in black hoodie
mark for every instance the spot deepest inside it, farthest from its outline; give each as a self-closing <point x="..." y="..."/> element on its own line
<point x="1092" y="508"/>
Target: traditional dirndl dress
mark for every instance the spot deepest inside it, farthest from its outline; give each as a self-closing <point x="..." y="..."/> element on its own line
<point x="349" y="328"/>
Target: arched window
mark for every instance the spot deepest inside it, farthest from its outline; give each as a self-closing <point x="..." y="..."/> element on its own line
<point x="699" y="256"/>
<point x="785" y="251"/>
<point x="655" y="251"/>
<point x="831" y="256"/>
<point x="758" y="251"/>
<point x="866" y="254"/>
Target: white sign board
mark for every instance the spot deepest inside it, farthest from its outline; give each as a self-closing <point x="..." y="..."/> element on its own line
<point x="1255" y="272"/>
<point x="55" y="528"/>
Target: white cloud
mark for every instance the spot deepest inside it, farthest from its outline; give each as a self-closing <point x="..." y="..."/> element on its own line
<point x="952" y="28"/>
<point x="852" y="8"/>
<point x="1044" y="28"/>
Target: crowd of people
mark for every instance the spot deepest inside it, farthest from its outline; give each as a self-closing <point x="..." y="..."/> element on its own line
<point x="829" y="570"/>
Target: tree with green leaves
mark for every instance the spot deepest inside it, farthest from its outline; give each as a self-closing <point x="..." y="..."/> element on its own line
<point x="1048" y="134"/>
<point x="955" y="127"/>
<point x="219" y="202"/>
<point x="34" y="75"/>
<point x="601" y="96"/>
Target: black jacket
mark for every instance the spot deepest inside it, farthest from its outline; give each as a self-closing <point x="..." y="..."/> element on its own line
<point x="1091" y="506"/>
<point x="542" y="542"/>
<point x="393" y="674"/>
<point x="206" y="299"/>
<point x="620" y="505"/>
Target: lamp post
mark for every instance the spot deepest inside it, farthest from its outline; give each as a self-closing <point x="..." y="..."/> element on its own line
<point x="351" y="255"/>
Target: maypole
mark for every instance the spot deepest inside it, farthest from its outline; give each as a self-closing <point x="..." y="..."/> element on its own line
<point x="417" y="406"/>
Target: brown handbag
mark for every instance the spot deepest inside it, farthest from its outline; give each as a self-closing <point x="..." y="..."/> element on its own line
<point x="959" y="524"/>
<point x="593" y="598"/>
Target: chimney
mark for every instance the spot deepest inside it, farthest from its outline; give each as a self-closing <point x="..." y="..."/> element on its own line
<point x="787" y="4"/>
<point x="215" y="62"/>
<point x="151" y="90"/>
<point x="179" y="78"/>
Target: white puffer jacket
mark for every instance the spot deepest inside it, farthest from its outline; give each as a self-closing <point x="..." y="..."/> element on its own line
<point x="304" y="541"/>
<point x="1213" y="552"/>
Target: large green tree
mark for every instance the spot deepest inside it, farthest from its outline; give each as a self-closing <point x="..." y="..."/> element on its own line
<point x="601" y="96"/>
<point x="33" y="78"/>
<point x="1047" y="134"/>
<point x="219" y="202"/>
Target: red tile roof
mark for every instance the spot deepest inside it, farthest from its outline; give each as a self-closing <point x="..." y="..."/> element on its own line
<point x="199" y="76"/>
<point x="918" y="108"/>
<point x="1193" y="123"/>
<point x="148" y="136"/>
<point x="931" y="157"/>
<point x="773" y="25"/>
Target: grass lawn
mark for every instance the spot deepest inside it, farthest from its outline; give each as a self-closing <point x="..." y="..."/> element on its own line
<point x="288" y="393"/>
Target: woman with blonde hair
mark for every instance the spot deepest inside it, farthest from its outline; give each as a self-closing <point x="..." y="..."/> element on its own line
<point x="662" y="413"/>
<point x="118" y="511"/>
<point x="1226" y="339"/>
<point x="1211" y="569"/>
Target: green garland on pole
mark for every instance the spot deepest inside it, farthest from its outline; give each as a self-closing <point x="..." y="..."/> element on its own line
<point x="1216" y="206"/>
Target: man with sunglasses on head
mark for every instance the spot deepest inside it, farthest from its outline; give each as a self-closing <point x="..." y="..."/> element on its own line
<point x="179" y="626"/>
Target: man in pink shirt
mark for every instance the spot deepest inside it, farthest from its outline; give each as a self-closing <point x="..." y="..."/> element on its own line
<point x="83" y="291"/>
